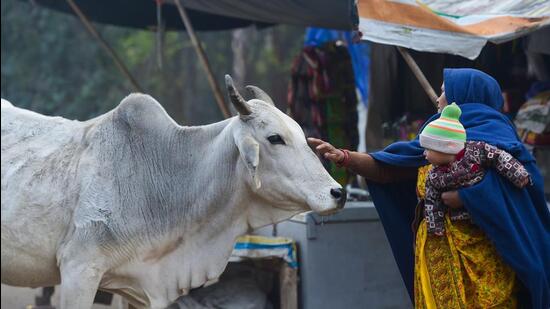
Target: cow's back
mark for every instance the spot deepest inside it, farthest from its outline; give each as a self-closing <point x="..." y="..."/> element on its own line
<point x="38" y="155"/>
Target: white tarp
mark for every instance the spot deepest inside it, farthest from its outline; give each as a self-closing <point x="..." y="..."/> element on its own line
<point x="446" y="26"/>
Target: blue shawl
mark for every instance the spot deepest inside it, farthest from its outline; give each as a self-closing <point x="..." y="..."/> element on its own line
<point x="517" y="221"/>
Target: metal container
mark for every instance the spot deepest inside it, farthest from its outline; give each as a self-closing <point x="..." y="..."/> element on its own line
<point x="344" y="260"/>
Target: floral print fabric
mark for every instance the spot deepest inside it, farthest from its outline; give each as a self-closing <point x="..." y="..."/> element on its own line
<point x="462" y="269"/>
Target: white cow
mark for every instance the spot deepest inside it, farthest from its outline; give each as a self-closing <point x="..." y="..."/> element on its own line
<point x="131" y="202"/>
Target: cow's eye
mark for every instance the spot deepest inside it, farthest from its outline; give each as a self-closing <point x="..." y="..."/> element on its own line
<point x="276" y="139"/>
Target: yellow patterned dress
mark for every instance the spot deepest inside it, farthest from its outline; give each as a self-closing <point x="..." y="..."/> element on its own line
<point x="461" y="269"/>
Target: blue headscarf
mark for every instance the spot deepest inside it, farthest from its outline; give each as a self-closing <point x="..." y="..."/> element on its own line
<point x="517" y="221"/>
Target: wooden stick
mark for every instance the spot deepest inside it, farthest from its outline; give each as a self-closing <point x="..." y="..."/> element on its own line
<point x="104" y="44"/>
<point x="202" y="56"/>
<point x="288" y="287"/>
<point x="419" y="75"/>
<point x="160" y="34"/>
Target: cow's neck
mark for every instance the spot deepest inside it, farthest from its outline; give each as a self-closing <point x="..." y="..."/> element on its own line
<point x="200" y="234"/>
<point x="216" y="187"/>
<point x="198" y="187"/>
<point x="182" y="181"/>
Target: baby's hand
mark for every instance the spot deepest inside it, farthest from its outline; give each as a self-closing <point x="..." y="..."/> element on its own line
<point x="525" y="181"/>
<point x="326" y="150"/>
<point x="452" y="199"/>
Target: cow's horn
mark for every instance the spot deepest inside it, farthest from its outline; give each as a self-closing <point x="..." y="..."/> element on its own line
<point x="236" y="98"/>
<point x="258" y="93"/>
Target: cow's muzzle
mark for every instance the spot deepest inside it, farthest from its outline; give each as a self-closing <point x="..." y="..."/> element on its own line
<point x="340" y="195"/>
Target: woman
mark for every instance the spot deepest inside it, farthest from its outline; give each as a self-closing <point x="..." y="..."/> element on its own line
<point x="500" y="259"/>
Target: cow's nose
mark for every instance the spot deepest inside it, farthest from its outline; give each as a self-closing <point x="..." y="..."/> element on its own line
<point x="340" y="195"/>
<point x="337" y="192"/>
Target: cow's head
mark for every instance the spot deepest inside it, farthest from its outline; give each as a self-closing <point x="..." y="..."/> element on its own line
<point x="283" y="170"/>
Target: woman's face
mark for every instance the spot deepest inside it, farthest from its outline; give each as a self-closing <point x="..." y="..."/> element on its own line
<point x="442" y="100"/>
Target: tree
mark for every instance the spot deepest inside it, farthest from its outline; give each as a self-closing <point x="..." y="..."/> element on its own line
<point x="53" y="66"/>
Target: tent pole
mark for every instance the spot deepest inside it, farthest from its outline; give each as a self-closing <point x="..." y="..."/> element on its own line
<point x="160" y="34"/>
<point x="419" y="75"/>
<point x="104" y="44"/>
<point x="202" y="56"/>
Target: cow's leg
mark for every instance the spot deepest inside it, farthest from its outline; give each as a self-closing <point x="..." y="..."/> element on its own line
<point x="82" y="266"/>
<point x="46" y="298"/>
<point x="79" y="284"/>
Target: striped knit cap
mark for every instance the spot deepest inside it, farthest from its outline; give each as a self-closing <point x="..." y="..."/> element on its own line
<point x="445" y="134"/>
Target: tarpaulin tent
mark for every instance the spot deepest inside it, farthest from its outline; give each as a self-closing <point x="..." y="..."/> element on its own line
<point x="453" y="27"/>
<point x="215" y="14"/>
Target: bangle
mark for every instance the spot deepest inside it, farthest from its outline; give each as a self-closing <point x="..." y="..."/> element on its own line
<point x="345" y="161"/>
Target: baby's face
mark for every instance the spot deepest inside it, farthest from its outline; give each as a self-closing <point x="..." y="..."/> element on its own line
<point x="438" y="158"/>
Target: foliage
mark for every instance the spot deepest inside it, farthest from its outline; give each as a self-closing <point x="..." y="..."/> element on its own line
<point x="51" y="65"/>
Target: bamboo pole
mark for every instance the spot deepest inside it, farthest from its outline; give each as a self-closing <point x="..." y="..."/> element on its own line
<point x="202" y="56"/>
<point x="419" y="75"/>
<point x="160" y="34"/>
<point x="104" y="44"/>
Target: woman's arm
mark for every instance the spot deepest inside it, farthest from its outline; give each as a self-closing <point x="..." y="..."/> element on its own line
<point x="363" y="164"/>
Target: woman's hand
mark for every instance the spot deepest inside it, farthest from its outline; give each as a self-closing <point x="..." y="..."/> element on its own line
<point x="326" y="150"/>
<point x="452" y="199"/>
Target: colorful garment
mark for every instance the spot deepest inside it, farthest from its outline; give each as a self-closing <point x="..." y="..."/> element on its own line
<point x="461" y="269"/>
<point x="468" y="169"/>
<point x="323" y="100"/>
<point x="533" y="118"/>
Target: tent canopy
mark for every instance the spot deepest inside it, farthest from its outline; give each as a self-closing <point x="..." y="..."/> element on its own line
<point x="453" y="27"/>
<point x="215" y="14"/>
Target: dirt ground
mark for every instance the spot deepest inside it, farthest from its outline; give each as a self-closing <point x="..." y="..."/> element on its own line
<point x="20" y="298"/>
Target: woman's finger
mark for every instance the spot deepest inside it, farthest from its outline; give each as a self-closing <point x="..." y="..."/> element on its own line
<point x="332" y="157"/>
<point x="314" y="141"/>
<point x="324" y="147"/>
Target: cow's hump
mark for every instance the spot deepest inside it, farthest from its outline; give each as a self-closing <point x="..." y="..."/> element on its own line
<point x="141" y="111"/>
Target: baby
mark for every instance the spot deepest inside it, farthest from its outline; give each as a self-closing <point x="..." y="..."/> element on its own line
<point x="458" y="163"/>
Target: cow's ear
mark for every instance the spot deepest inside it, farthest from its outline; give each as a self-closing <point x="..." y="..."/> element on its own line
<point x="249" y="150"/>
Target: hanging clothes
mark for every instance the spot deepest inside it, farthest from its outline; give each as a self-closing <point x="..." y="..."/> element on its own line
<point x="359" y="53"/>
<point x="533" y="118"/>
<point x="322" y="97"/>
